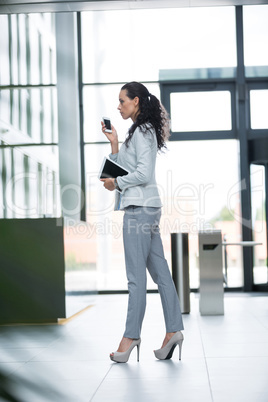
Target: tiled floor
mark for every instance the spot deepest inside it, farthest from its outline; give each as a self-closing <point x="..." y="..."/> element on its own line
<point x="224" y="358"/>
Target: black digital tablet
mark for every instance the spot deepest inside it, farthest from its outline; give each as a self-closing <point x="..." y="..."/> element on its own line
<point x="111" y="169"/>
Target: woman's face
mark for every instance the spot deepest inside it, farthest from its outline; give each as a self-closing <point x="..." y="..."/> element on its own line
<point x="127" y="107"/>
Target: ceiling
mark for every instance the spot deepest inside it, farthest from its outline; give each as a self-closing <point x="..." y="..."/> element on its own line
<point x="37" y="6"/>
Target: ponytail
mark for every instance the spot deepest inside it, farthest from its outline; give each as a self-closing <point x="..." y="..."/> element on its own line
<point x="152" y="115"/>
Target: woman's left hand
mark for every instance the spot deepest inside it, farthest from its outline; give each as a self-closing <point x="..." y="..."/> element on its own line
<point x="108" y="184"/>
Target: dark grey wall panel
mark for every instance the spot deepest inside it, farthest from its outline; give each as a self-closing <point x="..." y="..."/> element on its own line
<point x="32" y="286"/>
<point x="258" y="151"/>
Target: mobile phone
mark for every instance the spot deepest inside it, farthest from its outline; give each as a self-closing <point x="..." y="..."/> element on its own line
<point x="108" y="125"/>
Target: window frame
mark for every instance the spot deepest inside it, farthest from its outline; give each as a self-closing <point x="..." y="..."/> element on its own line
<point x="253" y="133"/>
<point x="197" y="86"/>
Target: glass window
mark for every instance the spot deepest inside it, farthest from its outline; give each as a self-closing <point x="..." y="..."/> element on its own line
<point x="40" y="58"/>
<point x="53" y="115"/>
<point x="22" y="52"/>
<point x="45" y="62"/>
<point x="5" y="106"/>
<point x="52" y="201"/>
<point x="4" y="59"/>
<point x="36" y="108"/>
<point x="136" y="44"/>
<point x="256" y="35"/>
<point x="17" y="184"/>
<point x="99" y="101"/>
<point x="105" y="224"/>
<point x="199" y="188"/>
<point x="2" y="181"/>
<point x="43" y="179"/>
<point x="14" y="103"/>
<point x="34" y="52"/>
<point x="23" y="99"/>
<point x="47" y="118"/>
<point x="197" y="73"/>
<point x="32" y="187"/>
<point x="258" y="109"/>
<point x="200" y="111"/>
<point x="258" y="199"/>
<point x="33" y="111"/>
<point x="199" y="191"/>
<point x="102" y="100"/>
<point x="13" y="49"/>
<point x="6" y="177"/>
<point x="29" y="181"/>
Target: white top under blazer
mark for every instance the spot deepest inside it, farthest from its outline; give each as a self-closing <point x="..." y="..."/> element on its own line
<point x="139" y="187"/>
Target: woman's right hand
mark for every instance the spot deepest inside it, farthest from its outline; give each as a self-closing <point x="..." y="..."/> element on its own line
<point x="112" y="137"/>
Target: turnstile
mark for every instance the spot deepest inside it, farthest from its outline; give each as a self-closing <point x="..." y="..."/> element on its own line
<point x="180" y="268"/>
<point x="211" y="273"/>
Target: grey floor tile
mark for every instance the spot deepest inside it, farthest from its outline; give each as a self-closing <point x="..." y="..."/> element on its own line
<point x="235" y="337"/>
<point x="229" y="323"/>
<point x="63" y="371"/>
<point x="64" y="353"/>
<point x="245" y="367"/>
<point x="236" y="350"/>
<point x="18" y="355"/>
<point x="39" y="382"/>
<point x="29" y="391"/>
<point x="263" y="320"/>
<point x="194" y="368"/>
<point x="153" y="390"/>
<point x="81" y="390"/>
<point x="226" y="355"/>
<point x="9" y="368"/>
<point x="30" y="336"/>
<point x="239" y="379"/>
<point x="240" y="390"/>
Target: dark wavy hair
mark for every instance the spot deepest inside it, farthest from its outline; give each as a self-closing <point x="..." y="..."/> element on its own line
<point x="151" y="114"/>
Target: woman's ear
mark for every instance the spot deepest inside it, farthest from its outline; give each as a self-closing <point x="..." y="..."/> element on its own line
<point x="136" y="100"/>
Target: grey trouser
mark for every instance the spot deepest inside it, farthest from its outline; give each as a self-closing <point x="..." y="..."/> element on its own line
<point x="143" y="248"/>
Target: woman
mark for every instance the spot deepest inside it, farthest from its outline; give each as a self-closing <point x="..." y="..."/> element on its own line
<point x="138" y="196"/>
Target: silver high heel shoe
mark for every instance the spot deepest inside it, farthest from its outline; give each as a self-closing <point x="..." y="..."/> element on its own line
<point x="122" y="357"/>
<point x="166" y="352"/>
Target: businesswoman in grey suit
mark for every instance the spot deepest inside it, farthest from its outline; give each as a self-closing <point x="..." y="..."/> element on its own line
<point x="138" y="196"/>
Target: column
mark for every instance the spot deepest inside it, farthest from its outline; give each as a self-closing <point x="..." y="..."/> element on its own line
<point x="72" y="197"/>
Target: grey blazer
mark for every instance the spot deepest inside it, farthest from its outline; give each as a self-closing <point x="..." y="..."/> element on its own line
<point x="139" y="186"/>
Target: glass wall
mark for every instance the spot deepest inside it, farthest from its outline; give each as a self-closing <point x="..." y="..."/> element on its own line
<point x="255" y="36"/>
<point x="258" y="200"/>
<point x="200" y="111"/>
<point x="180" y="41"/>
<point x="28" y="117"/>
<point x="165" y="39"/>
<point x="194" y="196"/>
<point x="258" y="109"/>
<point x="200" y="191"/>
